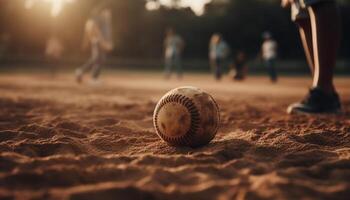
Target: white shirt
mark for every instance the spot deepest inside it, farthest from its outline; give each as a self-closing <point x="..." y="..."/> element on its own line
<point x="269" y="50"/>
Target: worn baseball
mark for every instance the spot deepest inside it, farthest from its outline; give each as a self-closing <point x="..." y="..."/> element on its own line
<point x="187" y="116"/>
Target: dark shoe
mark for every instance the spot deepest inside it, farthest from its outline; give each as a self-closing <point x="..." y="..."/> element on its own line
<point x="317" y="102"/>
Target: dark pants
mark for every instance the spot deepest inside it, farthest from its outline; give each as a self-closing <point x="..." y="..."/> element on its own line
<point x="54" y="63"/>
<point x="218" y="67"/>
<point x="270" y="64"/>
<point x="239" y="72"/>
<point x="173" y="61"/>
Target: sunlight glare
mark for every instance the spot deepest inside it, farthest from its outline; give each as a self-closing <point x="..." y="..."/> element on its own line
<point x="152" y="5"/>
<point x="56" y="5"/>
<point x="196" y="5"/>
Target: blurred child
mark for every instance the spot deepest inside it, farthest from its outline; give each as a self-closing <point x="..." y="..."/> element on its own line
<point x="239" y="66"/>
<point x="54" y="50"/>
<point x="269" y="55"/>
<point x="173" y="48"/>
<point x="218" y="52"/>
<point x="97" y="36"/>
<point x="319" y="28"/>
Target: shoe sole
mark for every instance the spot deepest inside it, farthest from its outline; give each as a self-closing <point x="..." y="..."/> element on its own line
<point x="337" y="112"/>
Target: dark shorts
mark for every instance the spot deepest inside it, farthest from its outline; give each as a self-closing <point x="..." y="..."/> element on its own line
<point x="299" y="8"/>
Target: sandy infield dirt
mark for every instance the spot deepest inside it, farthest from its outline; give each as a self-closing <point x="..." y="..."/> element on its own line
<point x="60" y="140"/>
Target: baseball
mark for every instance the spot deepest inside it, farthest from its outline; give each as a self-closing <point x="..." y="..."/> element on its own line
<point x="187" y="116"/>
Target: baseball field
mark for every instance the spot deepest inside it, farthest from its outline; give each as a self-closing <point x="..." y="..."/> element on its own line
<point x="62" y="140"/>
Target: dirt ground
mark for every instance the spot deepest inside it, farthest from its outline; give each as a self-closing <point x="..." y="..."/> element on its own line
<point x="61" y="140"/>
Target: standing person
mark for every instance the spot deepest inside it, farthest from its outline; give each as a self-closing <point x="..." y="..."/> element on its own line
<point x="319" y="28"/>
<point x="173" y="48"/>
<point x="98" y="36"/>
<point x="269" y="55"/>
<point x="218" y="52"/>
<point x="239" y="65"/>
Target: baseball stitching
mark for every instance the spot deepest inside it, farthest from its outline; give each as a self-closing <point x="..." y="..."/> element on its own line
<point x="195" y="118"/>
<point x="218" y="113"/>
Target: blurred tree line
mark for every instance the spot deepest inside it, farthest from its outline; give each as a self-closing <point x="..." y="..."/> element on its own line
<point x="139" y="32"/>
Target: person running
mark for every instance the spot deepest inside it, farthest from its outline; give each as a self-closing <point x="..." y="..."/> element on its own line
<point x="319" y="28"/>
<point x="173" y="48"/>
<point x="269" y="55"/>
<point x="218" y="52"/>
<point x="98" y="35"/>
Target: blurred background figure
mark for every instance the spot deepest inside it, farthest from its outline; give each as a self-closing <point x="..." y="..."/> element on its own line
<point x="53" y="52"/>
<point x="98" y="37"/>
<point x="218" y="53"/>
<point x="269" y="54"/>
<point x="173" y="48"/>
<point x="239" y="66"/>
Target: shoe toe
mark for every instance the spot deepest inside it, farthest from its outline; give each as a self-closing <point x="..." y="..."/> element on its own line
<point x="291" y="109"/>
<point x="299" y="108"/>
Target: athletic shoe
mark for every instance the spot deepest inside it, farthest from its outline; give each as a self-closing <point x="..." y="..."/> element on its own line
<point x="317" y="102"/>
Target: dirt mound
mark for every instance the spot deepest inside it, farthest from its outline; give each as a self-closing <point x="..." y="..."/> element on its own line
<point x="59" y="140"/>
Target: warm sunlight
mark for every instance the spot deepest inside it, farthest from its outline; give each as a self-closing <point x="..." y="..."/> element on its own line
<point x="196" y="5"/>
<point x="56" y="5"/>
<point x="175" y="99"/>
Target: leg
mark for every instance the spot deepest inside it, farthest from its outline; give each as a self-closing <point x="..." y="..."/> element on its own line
<point x="238" y="75"/>
<point x="168" y="66"/>
<point x="218" y="69"/>
<point x="87" y="66"/>
<point x="83" y="69"/>
<point x="178" y="64"/>
<point x="306" y="39"/>
<point x="272" y="71"/>
<point x="96" y="69"/>
<point x="241" y="72"/>
<point x="213" y="66"/>
<point x="326" y="35"/>
<point x="325" y="28"/>
<point x="54" y="68"/>
<point x="244" y="71"/>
